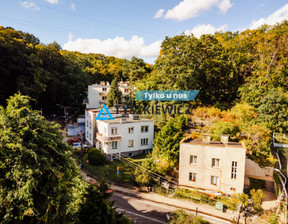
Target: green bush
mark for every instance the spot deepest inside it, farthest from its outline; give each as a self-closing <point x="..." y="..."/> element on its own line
<point x="180" y="216"/>
<point x="96" y="157"/>
<point x="223" y="127"/>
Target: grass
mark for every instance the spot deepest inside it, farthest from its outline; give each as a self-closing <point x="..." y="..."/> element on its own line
<point x="109" y="170"/>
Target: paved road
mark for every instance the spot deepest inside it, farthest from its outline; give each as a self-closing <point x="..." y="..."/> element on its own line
<point x="142" y="211"/>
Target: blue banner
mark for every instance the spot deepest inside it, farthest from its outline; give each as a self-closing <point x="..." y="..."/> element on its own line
<point x="166" y="95"/>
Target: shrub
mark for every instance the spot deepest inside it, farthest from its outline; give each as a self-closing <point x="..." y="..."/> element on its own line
<point x="96" y="157"/>
<point x="180" y="216"/>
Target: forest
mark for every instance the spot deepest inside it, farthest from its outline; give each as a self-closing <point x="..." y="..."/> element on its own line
<point x="242" y="78"/>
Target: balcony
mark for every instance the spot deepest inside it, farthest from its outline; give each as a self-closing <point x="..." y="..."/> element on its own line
<point x="102" y="138"/>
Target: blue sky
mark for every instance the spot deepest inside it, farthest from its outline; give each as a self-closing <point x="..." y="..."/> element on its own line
<point x="126" y="28"/>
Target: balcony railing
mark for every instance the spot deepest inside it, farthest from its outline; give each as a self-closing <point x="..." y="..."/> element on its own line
<point x="100" y="137"/>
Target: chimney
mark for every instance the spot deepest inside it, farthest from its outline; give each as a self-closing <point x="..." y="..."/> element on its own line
<point x="122" y="120"/>
<point x="102" y="83"/>
<point x="206" y="138"/>
<point x="225" y="139"/>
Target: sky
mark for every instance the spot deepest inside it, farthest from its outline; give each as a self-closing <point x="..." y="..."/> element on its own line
<point x="126" y="28"/>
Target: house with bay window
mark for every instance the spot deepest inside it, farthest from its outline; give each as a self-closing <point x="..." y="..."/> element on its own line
<point x="212" y="165"/>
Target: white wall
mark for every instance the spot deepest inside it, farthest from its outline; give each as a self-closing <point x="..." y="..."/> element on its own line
<point x="204" y="169"/>
<point x="89" y="126"/>
<point x="122" y="130"/>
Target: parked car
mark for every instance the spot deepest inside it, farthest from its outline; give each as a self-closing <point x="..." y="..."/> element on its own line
<point x="76" y="145"/>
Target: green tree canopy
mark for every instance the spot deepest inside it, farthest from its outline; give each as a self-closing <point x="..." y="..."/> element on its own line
<point x="39" y="181"/>
<point x="115" y="95"/>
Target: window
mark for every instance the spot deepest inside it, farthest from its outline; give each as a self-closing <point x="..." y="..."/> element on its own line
<point x="215" y="163"/>
<point x="114" y="131"/>
<point x="104" y="97"/>
<point x="144" y="128"/>
<point x="232" y="189"/>
<point x="144" y="141"/>
<point x="104" y="89"/>
<point x="131" y="130"/>
<point x="87" y="123"/>
<point x="193" y="159"/>
<point x="126" y="90"/>
<point x="114" y="145"/>
<point x="234" y="170"/>
<point x="192" y="177"/>
<point x="215" y="180"/>
<point x="130" y="154"/>
<point x="130" y="143"/>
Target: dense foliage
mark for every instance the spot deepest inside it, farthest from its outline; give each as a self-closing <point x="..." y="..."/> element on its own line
<point x="47" y="73"/>
<point x="39" y="180"/>
<point x="96" y="157"/>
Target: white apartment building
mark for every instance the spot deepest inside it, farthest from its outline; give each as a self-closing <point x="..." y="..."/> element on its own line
<point x="124" y="136"/>
<point x="212" y="165"/>
<point x="121" y="136"/>
<point x="97" y="93"/>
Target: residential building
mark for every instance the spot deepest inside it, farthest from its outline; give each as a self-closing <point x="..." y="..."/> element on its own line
<point x="91" y="125"/>
<point x="124" y="136"/>
<point x="97" y="93"/>
<point x="127" y="136"/>
<point x="212" y="165"/>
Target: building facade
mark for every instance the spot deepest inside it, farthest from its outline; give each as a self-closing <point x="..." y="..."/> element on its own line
<point x="212" y="165"/>
<point x="124" y="137"/>
<point x="97" y="93"/>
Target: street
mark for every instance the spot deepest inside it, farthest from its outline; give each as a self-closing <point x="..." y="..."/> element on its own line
<point x="144" y="211"/>
<point x="141" y="211"/>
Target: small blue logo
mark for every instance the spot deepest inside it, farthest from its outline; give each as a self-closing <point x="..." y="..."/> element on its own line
<point x="104" y="114"/>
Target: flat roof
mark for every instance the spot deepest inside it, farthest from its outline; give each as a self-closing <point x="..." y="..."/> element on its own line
<point x="112" y="110"/>
<point x="213" y="143"/>
<point x="127" y="120"/>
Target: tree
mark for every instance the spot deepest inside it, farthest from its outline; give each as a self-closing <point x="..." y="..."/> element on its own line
<point x="257" y="196"/>
<point x="223" y="127"/>
<point x="97" y="209"/>
<point x="39" y="182"/>
<point x="115" y="95"/>
<point x="96" y="157"/>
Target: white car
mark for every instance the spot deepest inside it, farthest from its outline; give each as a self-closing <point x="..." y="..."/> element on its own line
<point x="76" y="145"/>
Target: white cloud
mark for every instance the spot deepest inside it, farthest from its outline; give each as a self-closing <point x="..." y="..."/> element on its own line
<point x="30" y="5"/>
<point x="187" y="9"/>
<point x="118" y="47"/>
<point x="52" y="1"/>
<point x="204" y="29"/>
<point x="276" y="17"/>
<point x="159" y="13"/>
<point x="72" y="6"/>
<point x="224" y="6"/>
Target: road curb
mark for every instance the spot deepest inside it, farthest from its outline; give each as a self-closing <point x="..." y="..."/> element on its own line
<point x="176" y="206"/>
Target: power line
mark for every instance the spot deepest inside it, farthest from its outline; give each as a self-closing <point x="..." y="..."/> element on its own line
<point x="155" y="175"/>
<point x="47" y="27"/>
<point x="98" y="21"/>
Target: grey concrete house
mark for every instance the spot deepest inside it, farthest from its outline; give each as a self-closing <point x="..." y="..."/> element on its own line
<point x="212" y="165"/>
